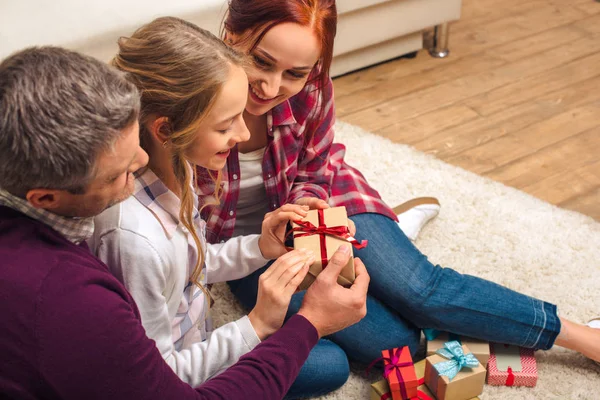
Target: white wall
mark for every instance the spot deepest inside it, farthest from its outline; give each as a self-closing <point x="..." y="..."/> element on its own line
<point x="92" y="26"/>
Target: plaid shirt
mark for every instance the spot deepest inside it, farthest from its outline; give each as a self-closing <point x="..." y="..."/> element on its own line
<point x="300" y="160"/>
<point x="187" y="326"/>
<point x="76" y="230"/>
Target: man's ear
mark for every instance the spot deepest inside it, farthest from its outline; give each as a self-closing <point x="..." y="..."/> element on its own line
<point x="47" y="199"/>
<point x="160" y="129"/>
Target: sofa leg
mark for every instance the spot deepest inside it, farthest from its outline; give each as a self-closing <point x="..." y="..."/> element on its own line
<point x="439" y="48"/>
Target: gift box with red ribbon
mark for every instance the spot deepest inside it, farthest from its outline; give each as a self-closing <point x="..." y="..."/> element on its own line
<point x="399" y="371"/>
<point x="323" y="232"/>
<point x="511" y="366"/>
<point x="380" y="390"/>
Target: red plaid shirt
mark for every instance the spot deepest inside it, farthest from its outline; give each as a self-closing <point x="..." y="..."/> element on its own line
<point x="300" y="160"/>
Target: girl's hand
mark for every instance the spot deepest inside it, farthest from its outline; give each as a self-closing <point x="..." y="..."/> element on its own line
<point x="313" y="203"/>
<point x="274" y="226"/>
<point x="275" y="289"/>
<point x="351" y="227"/>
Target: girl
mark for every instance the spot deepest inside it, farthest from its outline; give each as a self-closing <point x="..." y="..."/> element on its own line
<point x="193" y="93"/>
<point x="290" y="159"/>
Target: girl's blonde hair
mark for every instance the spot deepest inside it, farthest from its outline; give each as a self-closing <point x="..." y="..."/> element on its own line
<point x="179" y="70"/>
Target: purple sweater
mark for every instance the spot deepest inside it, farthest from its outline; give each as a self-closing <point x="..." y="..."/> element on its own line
<point x="70" y="330"/>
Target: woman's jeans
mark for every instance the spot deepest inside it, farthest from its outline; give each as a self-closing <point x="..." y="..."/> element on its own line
<point x="408" y="293"/>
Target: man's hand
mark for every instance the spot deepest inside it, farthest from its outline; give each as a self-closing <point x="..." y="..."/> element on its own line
<point x="273" y="229"/>
<point x="275" y="289"/>
<point x="329" y="306"/>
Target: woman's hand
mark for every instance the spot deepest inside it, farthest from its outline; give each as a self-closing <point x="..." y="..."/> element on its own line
<point x="275" y="289"/>
<point x="313" y="203"/>
<point x="273" y="229"/>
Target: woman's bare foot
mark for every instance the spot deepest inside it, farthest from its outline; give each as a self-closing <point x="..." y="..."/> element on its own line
<point x="581" y="338"/>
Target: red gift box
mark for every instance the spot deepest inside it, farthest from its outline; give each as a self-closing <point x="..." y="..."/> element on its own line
<point x="511" y="366"/>
<point x="399" y="370"/>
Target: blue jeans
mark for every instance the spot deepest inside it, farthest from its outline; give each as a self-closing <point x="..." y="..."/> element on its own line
<point x="407" y="293"/>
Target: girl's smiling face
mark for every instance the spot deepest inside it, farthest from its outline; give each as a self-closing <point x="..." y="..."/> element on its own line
<point x="224" y="125"/>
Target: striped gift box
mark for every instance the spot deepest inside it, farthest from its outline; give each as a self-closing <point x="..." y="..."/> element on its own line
<point x="511" y="366"/>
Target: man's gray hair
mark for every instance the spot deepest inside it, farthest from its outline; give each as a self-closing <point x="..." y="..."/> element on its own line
<point x="59" y="110"/>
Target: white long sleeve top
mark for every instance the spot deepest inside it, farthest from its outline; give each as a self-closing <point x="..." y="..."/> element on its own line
<point x="150" y="251"/>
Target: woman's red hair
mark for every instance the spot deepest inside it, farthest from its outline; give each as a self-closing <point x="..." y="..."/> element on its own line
<point x="260" y="16"/>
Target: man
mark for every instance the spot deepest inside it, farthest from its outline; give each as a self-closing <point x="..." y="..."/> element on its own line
<point x="68" y="147"/>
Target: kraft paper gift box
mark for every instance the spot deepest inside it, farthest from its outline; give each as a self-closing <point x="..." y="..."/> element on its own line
<point x="324" y="245"/>
<point x="380" y="390"/>
<point x="455" y="375"/>
<point x="436" y="340"/>
<point x="511" y="366"/>
<point x="399" y="370"/>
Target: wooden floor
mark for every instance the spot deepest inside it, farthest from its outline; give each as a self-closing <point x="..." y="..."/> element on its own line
<point x="518" y="100"/>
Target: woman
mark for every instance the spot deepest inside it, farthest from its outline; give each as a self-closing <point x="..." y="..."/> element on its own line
<point x="290" y="115"/>
<point x="191" y="115"/>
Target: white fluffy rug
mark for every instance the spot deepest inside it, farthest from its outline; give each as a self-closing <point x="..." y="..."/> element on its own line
<point x="495" y="232"/>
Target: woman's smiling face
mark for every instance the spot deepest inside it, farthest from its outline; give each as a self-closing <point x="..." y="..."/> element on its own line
<point x="282" y="62"/>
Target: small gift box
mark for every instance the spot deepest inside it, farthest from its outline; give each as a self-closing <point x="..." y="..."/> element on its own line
<point x="380" y="390"/>
<point x="511" y="366"/>
<point x="436" y="340"/>
<point x="453" y="373"/>
<point x="399" y="370"/>
<point x="323" y="232"/>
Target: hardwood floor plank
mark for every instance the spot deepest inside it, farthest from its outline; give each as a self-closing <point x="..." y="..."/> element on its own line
<point x="539" y="42"/>
<point x="567" y="184"/>
<point x="586" y="204"/>
<point x="463" y="137"/>
<point x="575" y="152"/>
<point x="415" y="129"/>
<point x="515" y="27"/>
<point x="511" y="147"/>
<point x="535" y="86"/>
<point x="590" y="25"/>
<point x="590" y="7"/>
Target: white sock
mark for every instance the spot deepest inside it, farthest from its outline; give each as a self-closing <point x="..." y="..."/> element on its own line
<point x="594" y="324"/>
<point x="414" y="219"/>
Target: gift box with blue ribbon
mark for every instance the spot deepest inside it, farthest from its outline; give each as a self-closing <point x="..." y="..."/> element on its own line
<point x="436" y="340"/>
<point x="453" y="373"/>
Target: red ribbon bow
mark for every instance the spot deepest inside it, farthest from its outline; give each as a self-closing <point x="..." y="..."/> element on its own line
<point x="393" y="364"/>
<point x="305" y="228"/>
